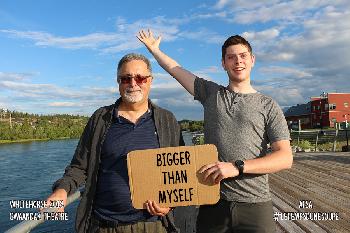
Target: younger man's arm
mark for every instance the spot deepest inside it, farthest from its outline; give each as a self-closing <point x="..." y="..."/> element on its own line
<point x="281" y="158"/>
<point x="184" y="77"/>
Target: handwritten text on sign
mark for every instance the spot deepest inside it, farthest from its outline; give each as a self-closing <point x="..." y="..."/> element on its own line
<point x="169" y="176"/>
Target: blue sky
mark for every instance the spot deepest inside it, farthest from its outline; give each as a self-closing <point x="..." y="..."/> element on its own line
<point x="61" y="56"/>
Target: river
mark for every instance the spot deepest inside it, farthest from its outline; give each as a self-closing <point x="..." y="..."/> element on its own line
<point x="27" y="172"/>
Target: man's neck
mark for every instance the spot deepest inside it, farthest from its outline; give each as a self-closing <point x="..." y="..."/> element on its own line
<point x="132" y="111"/>
<point x="241" y="87"/>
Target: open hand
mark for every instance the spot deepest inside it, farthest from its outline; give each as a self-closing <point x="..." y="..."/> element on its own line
<point x="148" y="40"/>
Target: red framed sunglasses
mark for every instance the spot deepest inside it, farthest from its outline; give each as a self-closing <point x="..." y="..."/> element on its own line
<point x="139" y="79"/>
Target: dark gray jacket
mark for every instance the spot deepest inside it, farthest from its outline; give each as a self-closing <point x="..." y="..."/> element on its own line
<point x="84" y="166"/>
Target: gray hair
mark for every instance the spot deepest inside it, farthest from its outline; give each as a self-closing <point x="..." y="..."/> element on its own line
<point x="134" y="56"/>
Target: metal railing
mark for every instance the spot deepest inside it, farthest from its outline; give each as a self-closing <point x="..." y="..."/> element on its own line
<point x="317" y="137"/>
<point x="27" y="226"/>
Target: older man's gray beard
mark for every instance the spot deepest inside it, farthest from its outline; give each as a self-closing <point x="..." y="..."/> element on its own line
<point x="132" y="97"/>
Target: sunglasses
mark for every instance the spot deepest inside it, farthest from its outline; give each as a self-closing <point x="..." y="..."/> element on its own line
<point x="139" y="79"/>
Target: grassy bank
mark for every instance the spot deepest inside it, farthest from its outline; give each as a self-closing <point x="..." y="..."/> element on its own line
<point x="30" y="140"/>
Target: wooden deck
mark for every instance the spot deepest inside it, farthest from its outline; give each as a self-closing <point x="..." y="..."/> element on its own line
<point x="322" y="180"/>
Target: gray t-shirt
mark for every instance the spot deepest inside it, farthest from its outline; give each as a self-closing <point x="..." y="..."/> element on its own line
<point x="241" y="126"/>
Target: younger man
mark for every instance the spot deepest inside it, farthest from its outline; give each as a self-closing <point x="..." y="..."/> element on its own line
<point x="241" y="122"/>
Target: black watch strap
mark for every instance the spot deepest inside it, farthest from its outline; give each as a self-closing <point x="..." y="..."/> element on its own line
<point x="240" y="166"/>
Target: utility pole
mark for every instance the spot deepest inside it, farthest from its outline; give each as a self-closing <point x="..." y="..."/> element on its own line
<point x="321" y="115"/>
<point x="10" y="121"/>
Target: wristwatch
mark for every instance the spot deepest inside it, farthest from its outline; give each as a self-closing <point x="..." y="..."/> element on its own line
<point x="240" y="166"/>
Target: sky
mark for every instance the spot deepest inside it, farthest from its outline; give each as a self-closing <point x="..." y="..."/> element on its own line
<point x="61" y="56"/>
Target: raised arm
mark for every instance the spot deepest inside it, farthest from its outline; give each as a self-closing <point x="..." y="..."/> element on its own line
<point x="184" y="77"/>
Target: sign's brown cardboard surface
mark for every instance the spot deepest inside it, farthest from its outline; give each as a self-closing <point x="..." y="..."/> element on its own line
<point x="169" y="176"/>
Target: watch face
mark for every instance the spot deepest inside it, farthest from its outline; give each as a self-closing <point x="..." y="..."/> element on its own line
<point x="239" y="163"/>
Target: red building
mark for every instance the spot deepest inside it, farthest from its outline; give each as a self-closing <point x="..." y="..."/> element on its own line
<point x="321" y="112"/>
<point x="330" y="108"/>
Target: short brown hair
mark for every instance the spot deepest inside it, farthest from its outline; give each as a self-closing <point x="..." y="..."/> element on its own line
<point x="234" y="40"/>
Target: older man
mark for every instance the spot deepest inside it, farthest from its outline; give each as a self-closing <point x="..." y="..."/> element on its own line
<point x="132" y="123"/>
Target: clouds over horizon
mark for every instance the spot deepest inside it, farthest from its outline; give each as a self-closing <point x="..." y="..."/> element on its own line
<point x="301" y="50"/>
<point x="86" y="100"/>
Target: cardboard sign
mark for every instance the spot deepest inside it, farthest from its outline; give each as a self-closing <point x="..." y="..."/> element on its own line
<point x="169" y="176"/>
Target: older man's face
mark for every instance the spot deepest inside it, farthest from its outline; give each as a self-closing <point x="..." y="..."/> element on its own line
<point x="134" y="81"/>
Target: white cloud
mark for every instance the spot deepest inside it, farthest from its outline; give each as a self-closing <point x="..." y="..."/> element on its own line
<point x="44" y="39"/>
<point x="244" y="4"/>
<point x="8" y="76"/>
<point x="280" y="70"/>
<point x="211" y="70"/>
<point x="248" y="12"/>
<point x="64" y="104"/>
<point x="26" y="86"/>
<point x="42" y="92"/>
<point x="102" y="90"/>
<point x="285" y="96"/>
<point x="268" y="34"/>
<point x="210" y="36"/>
<point x="167" y="85"/>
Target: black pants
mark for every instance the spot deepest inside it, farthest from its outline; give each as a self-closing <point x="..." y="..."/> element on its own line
<point x="236" y="217"/>
<point x="97" y="226"/>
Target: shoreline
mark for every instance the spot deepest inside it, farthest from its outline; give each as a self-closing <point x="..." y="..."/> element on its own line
<point x="31" y="140"/>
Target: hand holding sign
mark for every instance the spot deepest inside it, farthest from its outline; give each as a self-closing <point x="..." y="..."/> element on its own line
<point x="154" y="209"/>
<point x="215" y="172"/>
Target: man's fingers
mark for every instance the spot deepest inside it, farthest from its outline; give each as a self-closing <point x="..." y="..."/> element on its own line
<point x="49" y="208"/>
<point x="57" y="200"/>
<point x="143" y="34"/>
<point x="212" y="173"/>
<point x="206" y="167"/>
<point x="218" y="177"/>
<point x="148" y="207"/>
<point x="209" y="172"/>
<point x="159" y="210"/>
<point x="154" y="209"/>
<point x="139" y="37"/>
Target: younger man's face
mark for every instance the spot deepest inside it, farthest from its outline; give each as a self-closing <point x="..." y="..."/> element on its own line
<point x="238" y="63"/>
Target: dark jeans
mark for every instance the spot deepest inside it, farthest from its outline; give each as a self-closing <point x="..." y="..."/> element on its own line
<point x="139" y="227"/>
<point x="236" y="217"/>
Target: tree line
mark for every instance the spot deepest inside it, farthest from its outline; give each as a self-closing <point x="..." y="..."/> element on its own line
<point x="16" y="125"/>
<point x="192" y="126"/>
